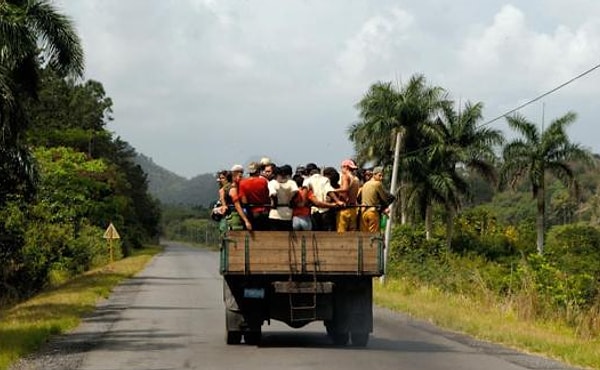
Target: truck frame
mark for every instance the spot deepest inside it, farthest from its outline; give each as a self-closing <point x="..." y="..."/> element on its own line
<point x="298" y="277"/>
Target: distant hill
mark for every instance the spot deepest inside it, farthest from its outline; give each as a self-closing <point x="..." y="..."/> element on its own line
<point x="171" y="188"/>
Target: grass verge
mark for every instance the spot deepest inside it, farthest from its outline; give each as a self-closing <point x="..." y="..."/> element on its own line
<point x="484" y="319"/>
<point x="26" y="326"/>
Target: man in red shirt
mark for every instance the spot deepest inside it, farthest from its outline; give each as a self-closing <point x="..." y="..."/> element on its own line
<point x="254" y="193"/>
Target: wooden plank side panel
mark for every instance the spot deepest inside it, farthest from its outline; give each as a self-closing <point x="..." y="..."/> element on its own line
<point x="323" y="252"/>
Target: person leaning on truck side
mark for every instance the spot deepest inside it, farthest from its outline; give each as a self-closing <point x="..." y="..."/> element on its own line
<point x="224" y="180"/>
<point x="301" y="206"/>
<point x="374" y="197"/>
<point x="326" y="220"/>
<point x="254" y="194"/>
<point x="318" y="186"/>
<point x="282" y="190"/>
<point x="236" y="219"/>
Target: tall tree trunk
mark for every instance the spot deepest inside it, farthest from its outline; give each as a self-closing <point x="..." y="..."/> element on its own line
<point x="428" y="221"/>
<point x="401" y="192"/>
<point x="541" y="215"/>
<point x="449" y="227"/>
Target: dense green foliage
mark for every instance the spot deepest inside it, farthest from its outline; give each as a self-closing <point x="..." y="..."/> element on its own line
<point x="30" y="31"/>
<point x="562" y="284"/>
<point x="63" y="176"/>
<point x="190" y="225"/>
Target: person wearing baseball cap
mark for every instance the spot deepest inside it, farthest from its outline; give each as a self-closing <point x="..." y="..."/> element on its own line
<point x="374" y="199"/>
<point x="254" y="194"/>
<point x="348" y="193"/>
<point x="349" y="163"/>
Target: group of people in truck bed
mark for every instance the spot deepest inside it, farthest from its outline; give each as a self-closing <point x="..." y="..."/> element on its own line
<point x="276" y="198"/>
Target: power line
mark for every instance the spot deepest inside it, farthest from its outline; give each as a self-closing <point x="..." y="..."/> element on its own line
<point x="543" y="95"/>
<point x="590" y="70"/>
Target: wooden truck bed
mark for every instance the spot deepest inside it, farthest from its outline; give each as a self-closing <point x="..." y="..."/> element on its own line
<point x="302" y="252"/>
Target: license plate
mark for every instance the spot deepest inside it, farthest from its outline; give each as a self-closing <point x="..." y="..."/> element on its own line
<point x="254" y="293"/>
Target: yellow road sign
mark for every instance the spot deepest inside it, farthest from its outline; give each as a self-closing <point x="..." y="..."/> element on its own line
<point x="111" y="232"/>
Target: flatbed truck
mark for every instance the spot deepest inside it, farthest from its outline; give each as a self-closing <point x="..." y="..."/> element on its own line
<point x="298" y="277"/>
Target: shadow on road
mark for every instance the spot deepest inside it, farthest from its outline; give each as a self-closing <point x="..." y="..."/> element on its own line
<point x="321" y="340"/>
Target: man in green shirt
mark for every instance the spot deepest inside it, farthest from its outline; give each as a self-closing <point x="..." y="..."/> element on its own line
<point x="374" y="197"/>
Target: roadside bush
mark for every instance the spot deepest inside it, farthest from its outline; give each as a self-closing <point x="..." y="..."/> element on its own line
<point x="45" y="246"/>
<point x="493" y="247"/>
<point x="413" y="257"/>
<point x="12" y="239"/>
<point x="561" y="285"/>
<point x="477" y="231"/>
<point x="552" y="289"/>
<point x="90" y="250"/>
<point x="575" y="248"/>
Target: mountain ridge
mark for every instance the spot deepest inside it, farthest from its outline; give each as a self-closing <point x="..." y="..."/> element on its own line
<point x="171" y="188"/>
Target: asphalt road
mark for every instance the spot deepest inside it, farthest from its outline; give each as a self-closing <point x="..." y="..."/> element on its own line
<point x="171" y="316"/>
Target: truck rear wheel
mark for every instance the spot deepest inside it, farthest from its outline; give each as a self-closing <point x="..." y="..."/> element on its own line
<point x="252" y="337"/>
<point x="359" y="339"/>
<point x="233" y="331"/>
<point x="340" y="338"/>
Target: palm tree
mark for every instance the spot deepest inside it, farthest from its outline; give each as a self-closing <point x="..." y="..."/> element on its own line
<point x="373" y="135"/>
<point x="32" y="34"/>
<point x="457" y="141"/>
<point x="386" y="111"/>
<point x="536" y="153"/>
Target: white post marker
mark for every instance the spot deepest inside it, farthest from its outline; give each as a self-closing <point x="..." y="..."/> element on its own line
<point x="110" y="234"/>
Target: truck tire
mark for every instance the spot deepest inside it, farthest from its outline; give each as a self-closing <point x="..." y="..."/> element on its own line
<point x="233" y="330"/>
<point x="359" y="339"/>
<point x="253" y="337"/>
<point x="340" y="338"/>
<point x="233" y="337"/>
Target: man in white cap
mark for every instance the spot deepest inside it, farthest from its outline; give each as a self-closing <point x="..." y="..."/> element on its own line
<point x="265" y="161"/>
<point x="254" y="193"/>
<point x="237" y="171"/>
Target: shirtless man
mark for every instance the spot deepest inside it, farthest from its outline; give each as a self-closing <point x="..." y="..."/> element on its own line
<point x="348" y="193"/>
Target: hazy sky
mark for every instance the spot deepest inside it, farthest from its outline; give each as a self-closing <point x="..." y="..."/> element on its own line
<point x="199" y="85"/>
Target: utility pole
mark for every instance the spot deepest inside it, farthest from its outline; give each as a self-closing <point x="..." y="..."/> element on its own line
<point x="388" y="226"/>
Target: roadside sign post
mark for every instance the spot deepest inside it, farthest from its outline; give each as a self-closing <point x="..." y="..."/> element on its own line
<point x="110" y="234"/>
